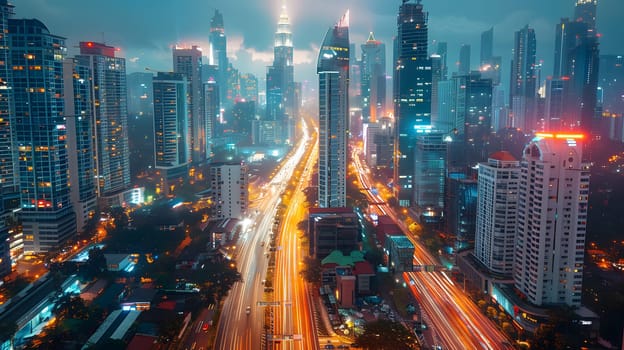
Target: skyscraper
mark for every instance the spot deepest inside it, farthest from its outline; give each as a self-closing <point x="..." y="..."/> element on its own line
<point x="552" y="218"/>
<point x="523" y="89"/>
<point x="108" y="91"/>
<point x="442" y="49"/>
<point x="412" y="93"/>
<point x="585" y="11"/>
<point x="211" y="112"/>
<point x="497" y="208"/>
<point x="430" y="176"/>
<point x="171" y="131"/>
<point x="218" y="54"/>
<point x="43" y="167"/>
<point x="373" y="79"/>
<point x="229" y="183"/>
<point x="487" y="45"/>
<point x="8" y="154"/>
<point x="79" y="119"/>
<point x="463" y="66"/>
<point x="140" y="99"/>
<point x="189" y="63"/>
<point x="280" y="81"/>
<point x="333" y="71"/>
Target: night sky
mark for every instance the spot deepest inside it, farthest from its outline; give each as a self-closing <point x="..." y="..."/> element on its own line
<point x="145" y="30"/>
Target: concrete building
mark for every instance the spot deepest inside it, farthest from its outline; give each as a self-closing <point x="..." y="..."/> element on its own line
<point x="552" y="218"/>
<point x="228" y="182"/>
<point x="332" y="229"/>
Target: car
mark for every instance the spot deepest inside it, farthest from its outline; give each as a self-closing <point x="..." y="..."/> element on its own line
<point x="330" y="346"/>
<point x="343" y="346"/>
<point x="248" y="310"/>
<point x="205" y="327"/>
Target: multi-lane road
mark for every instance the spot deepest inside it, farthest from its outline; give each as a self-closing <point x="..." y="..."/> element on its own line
<point x="239" y="328"/>
<point x="456" y="321"/>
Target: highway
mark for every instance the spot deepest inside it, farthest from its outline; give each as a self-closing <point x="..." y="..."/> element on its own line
<point x="293" y="319"/>
<point x="457" y="322"/>
<point x="238" y="329"/>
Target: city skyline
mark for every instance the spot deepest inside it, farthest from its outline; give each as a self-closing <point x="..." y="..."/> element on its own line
<point x="250" y="43"/>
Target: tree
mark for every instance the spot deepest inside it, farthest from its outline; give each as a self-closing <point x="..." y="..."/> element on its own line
<point x="312" y="269"/>
<point x="386" y="335"/>
<point x="7" y="331"/>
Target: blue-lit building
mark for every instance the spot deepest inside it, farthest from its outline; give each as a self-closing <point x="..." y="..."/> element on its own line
<point x="430" y="176"/>
<point x="111" y="118"/>
<point x="523" y="87"/>
<point x="8" y="182"/>
<point x="40" y="129"/>
<point x="79" y="118"/>
<point x="218" y="54"/>
<point x="461" y="209"/>
<point x="373" y="79"/>
<point x="212" y="112"/>
<point x="333" y="71"/>
<point x="172" y="153"/>
<point x="412" y="94"/>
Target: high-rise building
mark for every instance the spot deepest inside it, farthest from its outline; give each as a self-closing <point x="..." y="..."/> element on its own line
<point x="47" y="215"/>
<point x="554" y="106"/>
<point x="249" y="87"/>
<point x="108" y="91"/>
<point x="8" y="154"/>
<point x="497" y="208"/>
<point x="552" y="218"/>
<point x="217" y="55"/>
<point x="441" y="50"/>
<point x="411" y="95"/>
<point x="612" y="83"/>
<point x="211" y="112"/>
<point x="229" y="190"/>
<point x="436" y="77"/>
<point x="487" y="45"/>
<point x="373" y="79"/>
<point x="79" y="122"/>
<point x="576" y="62"/>
<point x="430" y="176"/>
<point x="463" y="65"/>
<point x="189" y="63"/>
<point x="140" y="99"/>
<point x="523" y="88"/>
<point x="171" y="132"/>
<point x="585" y="11"/>
<point x="333" y="71"/>
<point x="281" y="104"/>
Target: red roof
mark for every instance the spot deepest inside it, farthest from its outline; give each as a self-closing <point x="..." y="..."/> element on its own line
<point x="167" y="305"/>
<point x="143" y="342"/>
<point x="363" y="268"/>
<point x="503" y="156"/>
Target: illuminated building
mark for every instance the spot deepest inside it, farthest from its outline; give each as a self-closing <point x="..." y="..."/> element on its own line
<point x="171" y="132"/>
<point x="140" y="99"/>
<point x="189" y="63"/>
<point x="218" y="54"/>
<point x="412" y="94"/>
<point x="79" y="119"/>
<point x="373" y="79"/>
<point x="497" y="209"/>
<point x="211" y="111"/>
<point x="228" y="182"/>
<point x="108" y="92"/>
<point x="47" y="215"/>
<point x="8" y="160"/>
<point x="333" y="72"/>
<point x="552" y="218"/>
<point x="464" y="59"/>
<point x="523" y="89"/>
<point x="430" y="176"/>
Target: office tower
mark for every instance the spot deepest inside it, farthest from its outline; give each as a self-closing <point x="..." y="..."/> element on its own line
<point x="47" y="215"/>
<point x="487" y="45"/>
<point x="140" y="99"/>
<point x="333" y="71"/>
<point x="211" y="113"/>
<point x="373" y="79"/>
<point x="333" y="229"/>
<point x="80" y="153"/>
<point x="441" y="50"/>
<point x="500" y="112"/>
<point x="279" y="82"/>
<point x="585" y="11"/>
<point x="554" y="109"/>
<point x="552" y="218"/>
<point x="412" y="94"/>
<point x="108" y="91"/>
<point x="490" y="65"/>
<point x="8" y="156"/>
<point x="522" y="92"/>
<point x="188" y="62"/>
<point x="465" y="103"/>
<point x="229" y="190"/>
<point x="241" y="118"/>
<point x="576" y="62"/>
<point x="463" y="66"/>
<point x="249" y="87"/>
<point x="497" y="208"/>
<point x="218" y="54"/>
<point x="461" y="208"/>
<point x="611" y="78"/>
<point x="430" y="176"/>
<point x="172" y="152"/>
<point x="436" y="76"/>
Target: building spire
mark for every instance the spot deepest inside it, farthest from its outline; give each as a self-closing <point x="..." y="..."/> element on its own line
<point x="344" y="20"/>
